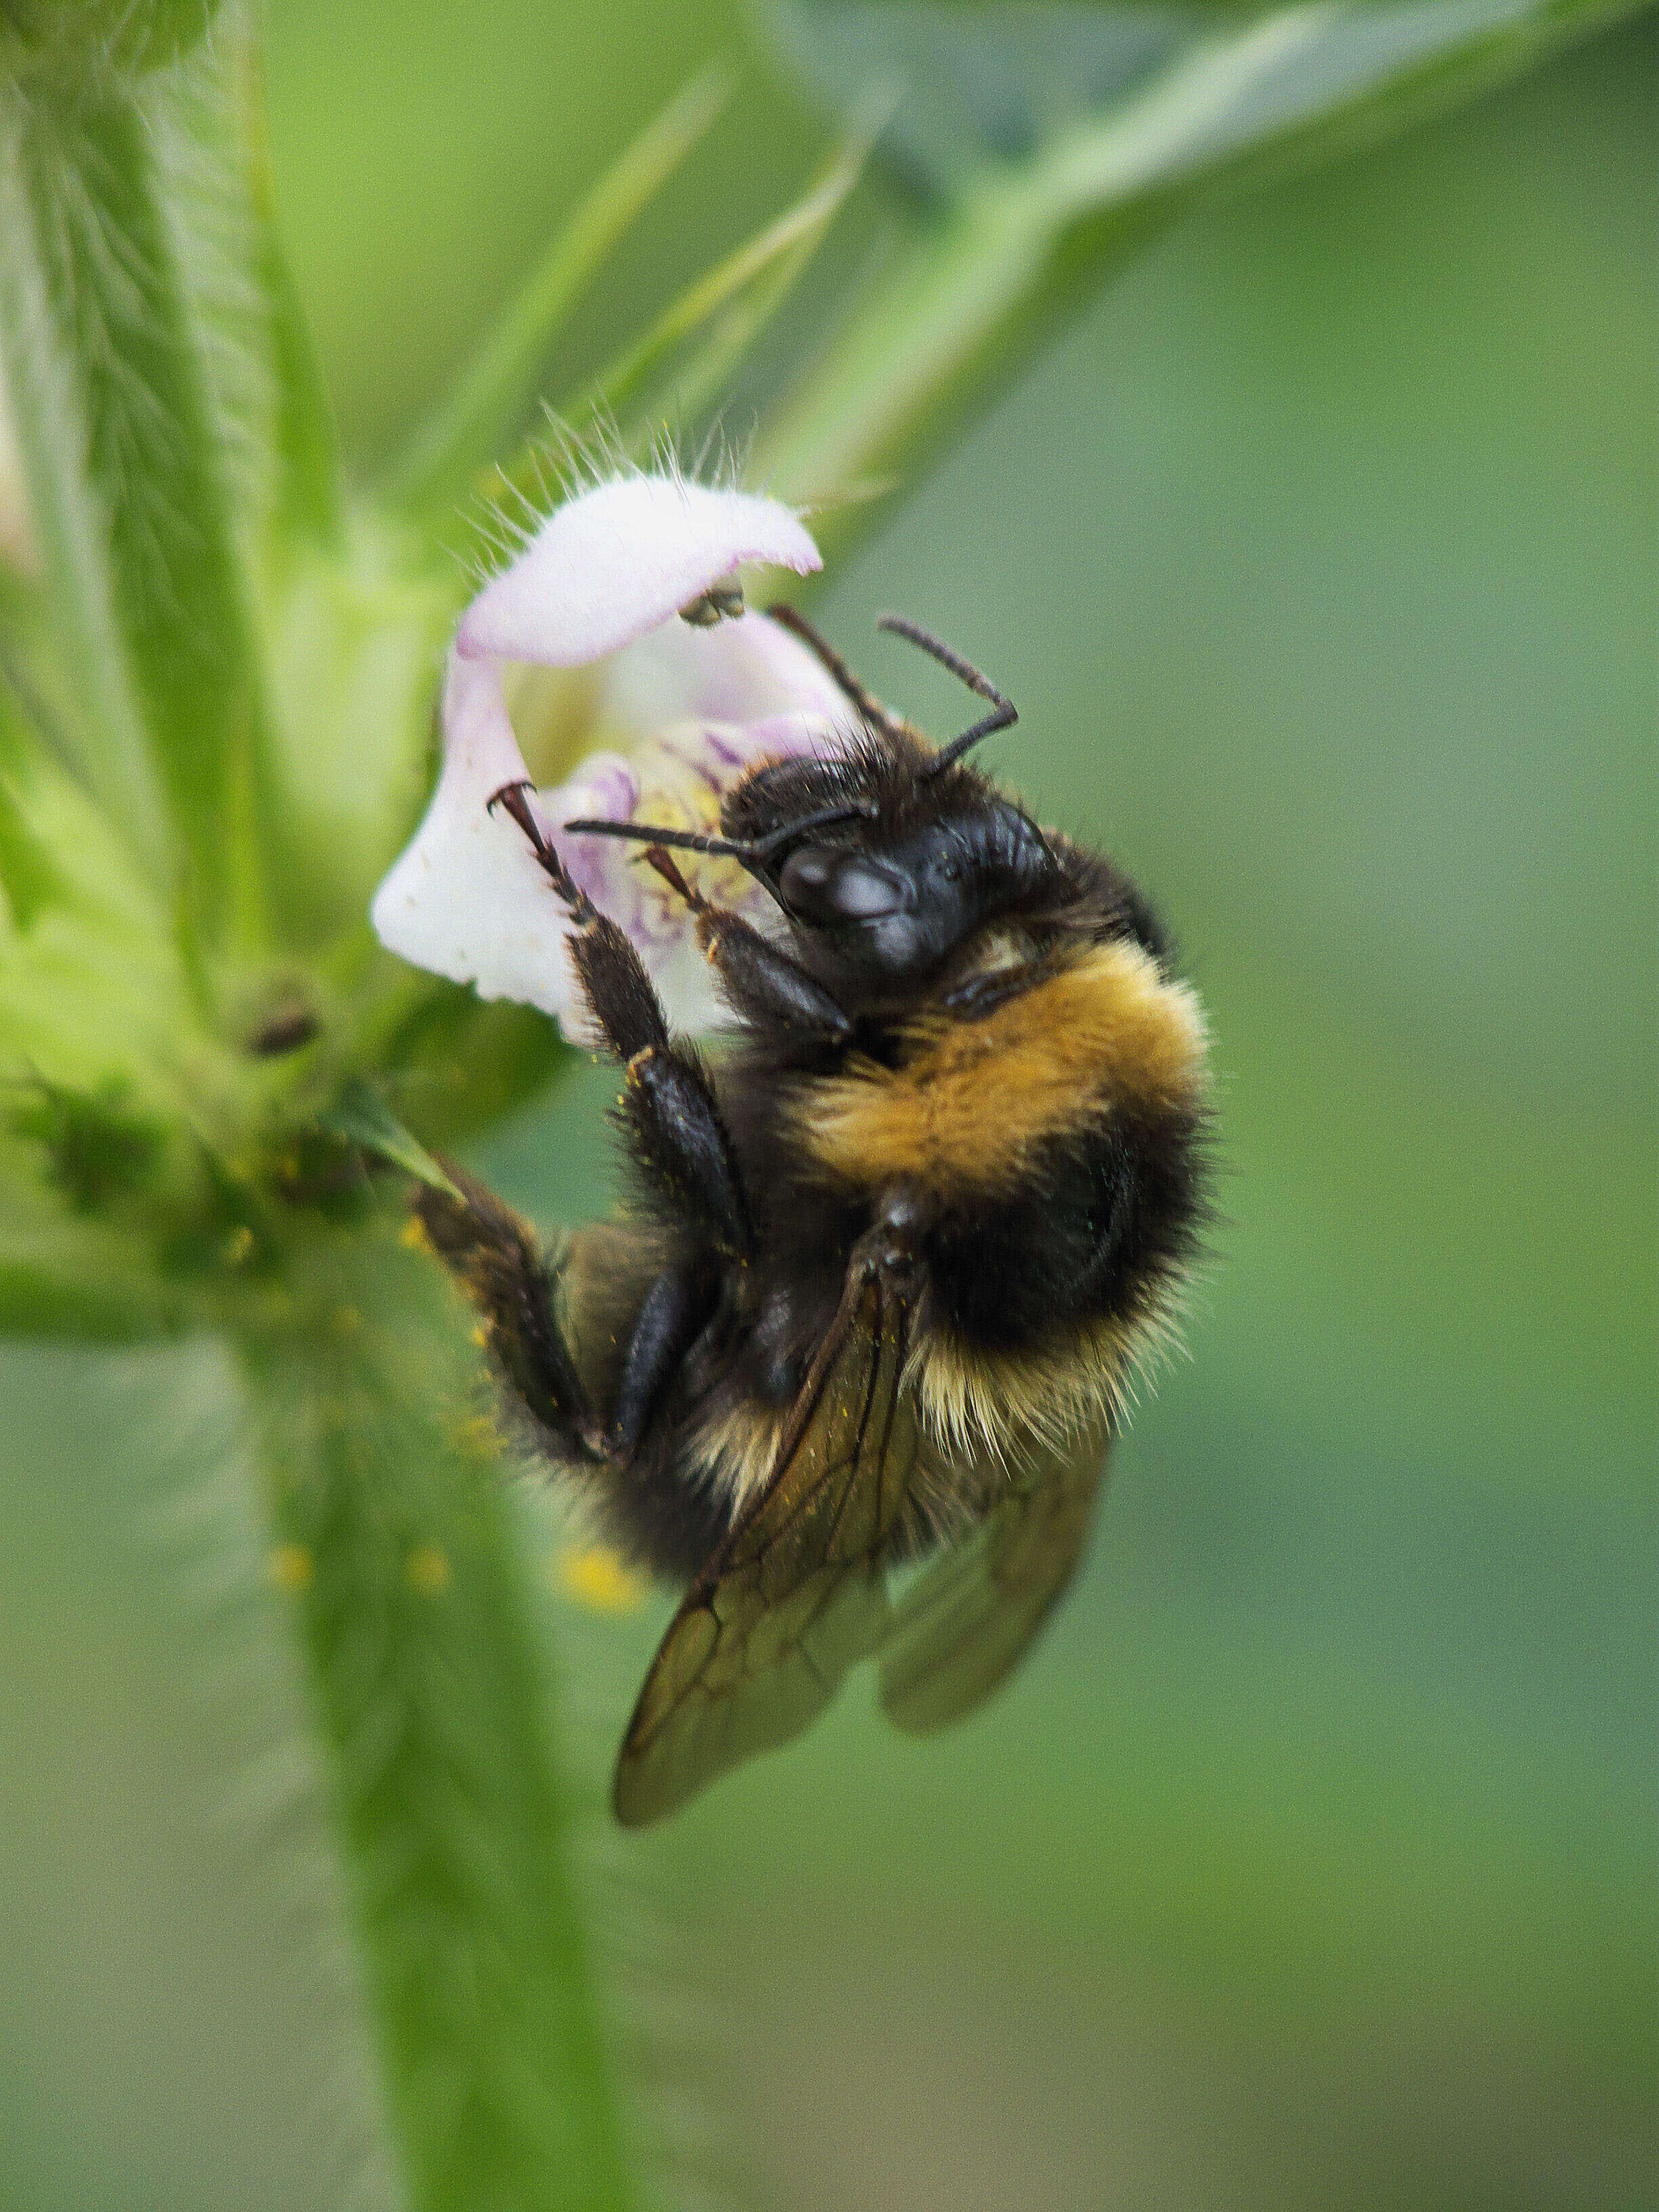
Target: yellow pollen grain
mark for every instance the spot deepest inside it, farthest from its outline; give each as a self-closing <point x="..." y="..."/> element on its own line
<point x="476" y="1437"/>
<point x="480" y="1336"/>
<point x="289" y="1567"/>
<point x="595" y="1576"/>
<point x="238" y="1246"/>
<point x="413" y="1234"/>
<point x="427" y="1569"/>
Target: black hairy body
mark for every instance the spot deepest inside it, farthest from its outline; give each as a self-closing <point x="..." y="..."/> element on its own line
<point x="890" y="1262"/>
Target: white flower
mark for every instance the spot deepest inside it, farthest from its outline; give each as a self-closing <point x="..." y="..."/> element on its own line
<point x="688" y="710"/>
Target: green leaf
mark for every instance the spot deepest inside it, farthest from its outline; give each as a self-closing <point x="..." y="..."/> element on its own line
<point x="460" y="1064"/>
<point x="971" y="87"/>
<point x="80" y="1285"/>
<point x="92" y="986"/>
<point x="28" y="875"/>
<point x="393" y="1532"/>
<point x="30" y="879"/>
<point x="757" y="281"/>
<point x="98" y="1148"/>
<point x="75" y="37"/>
<point x="780" y="246"/>
<point x="1045" y="144"/>
<point x="487" y="401"/>
<point x="126" y="489"/>
<point x="363" y="1118"/>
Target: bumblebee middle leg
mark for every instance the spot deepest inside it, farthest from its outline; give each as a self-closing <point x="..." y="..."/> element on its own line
<point x="673" y="1314"/>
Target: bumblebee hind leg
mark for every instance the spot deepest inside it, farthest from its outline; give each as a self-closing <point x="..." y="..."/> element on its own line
<point x="496" y="1260"/>
<point x="657" y="1520"/>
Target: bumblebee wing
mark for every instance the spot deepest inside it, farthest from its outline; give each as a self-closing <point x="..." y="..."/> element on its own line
<point x="972" y="1614"/>
<point x="796" y="1595"/>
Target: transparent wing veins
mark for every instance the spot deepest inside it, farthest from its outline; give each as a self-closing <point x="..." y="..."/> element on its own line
<point x="972" y="1613"/>
<point x="797" y="1595"/>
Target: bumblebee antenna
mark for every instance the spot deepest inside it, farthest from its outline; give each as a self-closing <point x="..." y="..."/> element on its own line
<point x="752" y="853"/>
<point x="870" y="708"/>
<point x="1006" y="713"/>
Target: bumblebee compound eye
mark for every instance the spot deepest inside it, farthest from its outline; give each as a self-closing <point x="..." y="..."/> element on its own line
<point x="823" y="887"/>
<point x="890" y="915"/>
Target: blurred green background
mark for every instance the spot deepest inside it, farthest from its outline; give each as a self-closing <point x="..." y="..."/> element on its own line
<point x="1311" y="1861"/>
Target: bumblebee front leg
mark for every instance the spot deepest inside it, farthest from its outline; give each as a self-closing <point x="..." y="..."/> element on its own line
<point x="761" y="981"/>
<point x="668" y="1107"/>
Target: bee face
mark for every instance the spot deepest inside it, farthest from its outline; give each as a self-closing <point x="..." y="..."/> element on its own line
<point x="894" y="907"/>
<point x="901" y="872"/>
<point x="889" y="1267"/>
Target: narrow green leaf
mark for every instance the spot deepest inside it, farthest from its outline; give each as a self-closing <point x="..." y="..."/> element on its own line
<point x="362" y="1117"/>
<point x="1048" y="144"/>
<point x="30" y="879"/>
<point x="970" y="86"/>
<point x="391" y="1530"/>
<point x="91" y="985"/>
<point x="126" y="491"/>
<point x="781" y="243"/>
<point x="460" y="1063"/>
<point x="704" y="374"/>
<point x="665" y="374"/>
<point x="306" y="498"/>
<point x="87" y="1292"/>
<point x="310" y="502"/>
<point x="488" y="402"/>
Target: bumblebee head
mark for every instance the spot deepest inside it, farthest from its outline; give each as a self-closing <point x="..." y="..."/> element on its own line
<point x="889" y="891"/>
<point x="885" y="856"/>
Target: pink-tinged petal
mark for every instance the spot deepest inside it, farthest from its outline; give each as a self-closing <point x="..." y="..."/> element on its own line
<point x="604" y="580"/>
<point x="733" y="672"/>
<point x="677" y="780"/>
<point x="614" y="563"/>
<point x="605" y="788"/>
<point x="466" y="899"/>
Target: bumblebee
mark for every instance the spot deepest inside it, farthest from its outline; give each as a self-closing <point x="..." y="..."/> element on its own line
<point x="849" y="1367"/>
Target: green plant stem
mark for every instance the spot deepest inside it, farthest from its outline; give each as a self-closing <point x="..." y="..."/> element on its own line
<point x="1011" y="248"/>
<point x="966" y="300"/>
<point x="392" y="1530"/>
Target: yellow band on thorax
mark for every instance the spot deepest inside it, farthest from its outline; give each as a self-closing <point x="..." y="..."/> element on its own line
<point x="972" y="1098"/>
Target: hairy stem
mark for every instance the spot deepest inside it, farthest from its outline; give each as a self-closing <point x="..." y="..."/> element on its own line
<point x="393" y="1532"/>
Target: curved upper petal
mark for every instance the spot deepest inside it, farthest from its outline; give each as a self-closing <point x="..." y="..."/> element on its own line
<point x="467" y="898"/>
<point x="743" y="671"/>
<point x="617" y="561"/>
